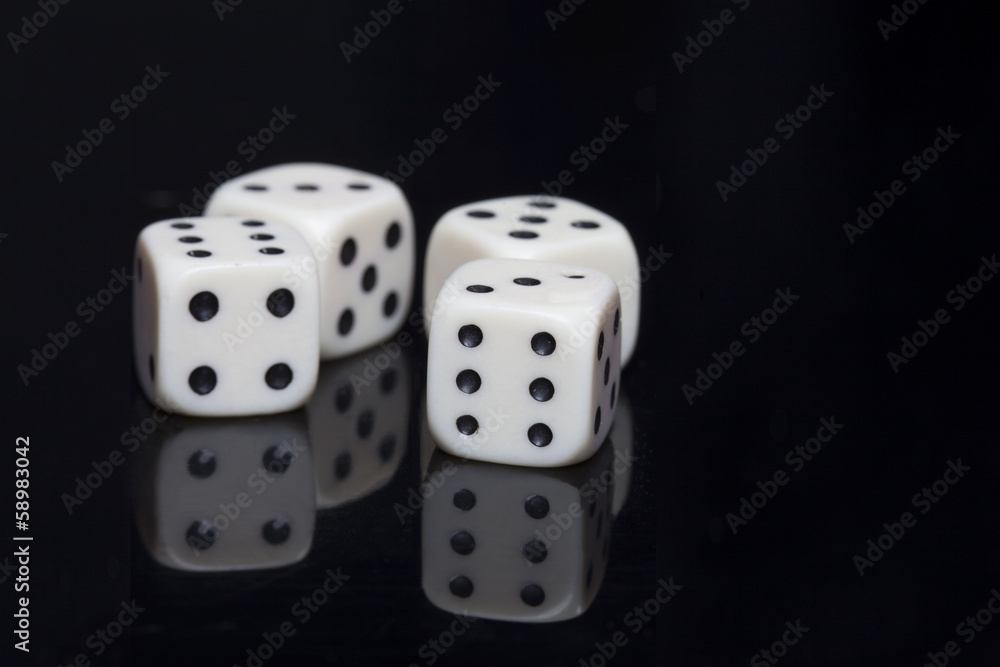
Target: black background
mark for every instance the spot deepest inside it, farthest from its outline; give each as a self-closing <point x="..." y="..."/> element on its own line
<point x="825" y="358"/>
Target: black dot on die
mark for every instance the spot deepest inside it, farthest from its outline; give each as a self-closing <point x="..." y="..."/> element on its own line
<point x="536" y="506"/>
<point x="532" y="595"/>
<point x="358" y="186"/>
<point x="278" y="376"/>
<point x="534" y="219"/>
<point x="541" y="389"/>
<point x="614" y="387"/>
<point x="342" y="400"/>
<point x="201" y="535"/>
<point x="368" y="278"/>
<point x="252" y="223"/>
<point x="182" y="225"/>
<point x="541" y="203"/>
<point x="276" y="531"/>
<point x="597" y="420"/>
<point x="348" y="251"/>
<point x="366" y="424"/>
<point x="390" y="304"/>
<point x="607" y="371"/>
<point x="262" y="237"/>
<point x="464" y="500"/>
<point x="152" y="369"/>
<point x="540" y="435"/>
<point x="306" y="187"/>
<point x="521" y="234"/>
<point x="342" y="466"/>
<point x="271" y="251"/>
<point x="585" y="224"/>
<point x="575" y="276"/>
<point x="199" y="253"/>
<point x="386" y="448"/>
<point x="617" y="317"/>
<point x="277" y="458"/>
<point x="479" y="289"/>
<point x="255" y="188"/>
<point x="470" y="335"/>
<point x="387" y="382"/>
<point x="392" y="235"/>
<point x="600" y="346"/>
<point x="481" y="214"/>
<point x="460" y="586"/>
<point x="527" y="282"/>
<point x="468" y="381"/>
<point x="201" y="464"/>
<point x="190" y="239"/>
<point x="345" y="322"/>
<point x="463" y="543"/>
<point x="543" y="343"/>
<point x="467" y="424"/>
<point x="202" y="380"/>
<point x="534" y="551"/>
<point x="280" y="302"/>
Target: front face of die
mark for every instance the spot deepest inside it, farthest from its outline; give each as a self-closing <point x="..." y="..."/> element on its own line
<point x="219" y="329"/>
<point x="524" y="363"/>
<point x="360" y="231"/>
<point x="552" y="229"/>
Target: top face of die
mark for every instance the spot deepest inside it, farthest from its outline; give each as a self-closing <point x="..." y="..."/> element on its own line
<point x="520" y="286"/>
<point x="189" y="244"/>
<point x="309" y="189"/>
<point x="526" y="226"/>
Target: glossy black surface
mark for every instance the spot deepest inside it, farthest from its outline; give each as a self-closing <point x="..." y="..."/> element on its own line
<point x="831" y="303"/>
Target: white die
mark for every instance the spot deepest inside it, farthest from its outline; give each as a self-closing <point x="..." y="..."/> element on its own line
<point x="552" y="229"/>
<point x="524" y="362"/>
<point x="513" y="543"/>
<point x="219" y="329"/>
<point x="227" y="494"/>
<point x="360" y="229"/>
<point x="359" y="422"/>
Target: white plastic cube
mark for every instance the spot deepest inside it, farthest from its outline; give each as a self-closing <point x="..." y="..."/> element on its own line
<point x="219" y="328"/>
<point x="553" y="229"/>
<point x="524" y="362"/>
<point x="360" y="231"/>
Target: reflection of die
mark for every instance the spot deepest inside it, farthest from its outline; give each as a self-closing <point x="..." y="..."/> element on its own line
<point x="358" y="422"/>
<point x="227" y="494"/>
<point x="517" y="544"/>
<point x="218" y="329"/>
<point x="553" y="229"/>
<point x="523" y="363"/>
<point x="622" y="437"/>
<point x="361" y="232"/>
